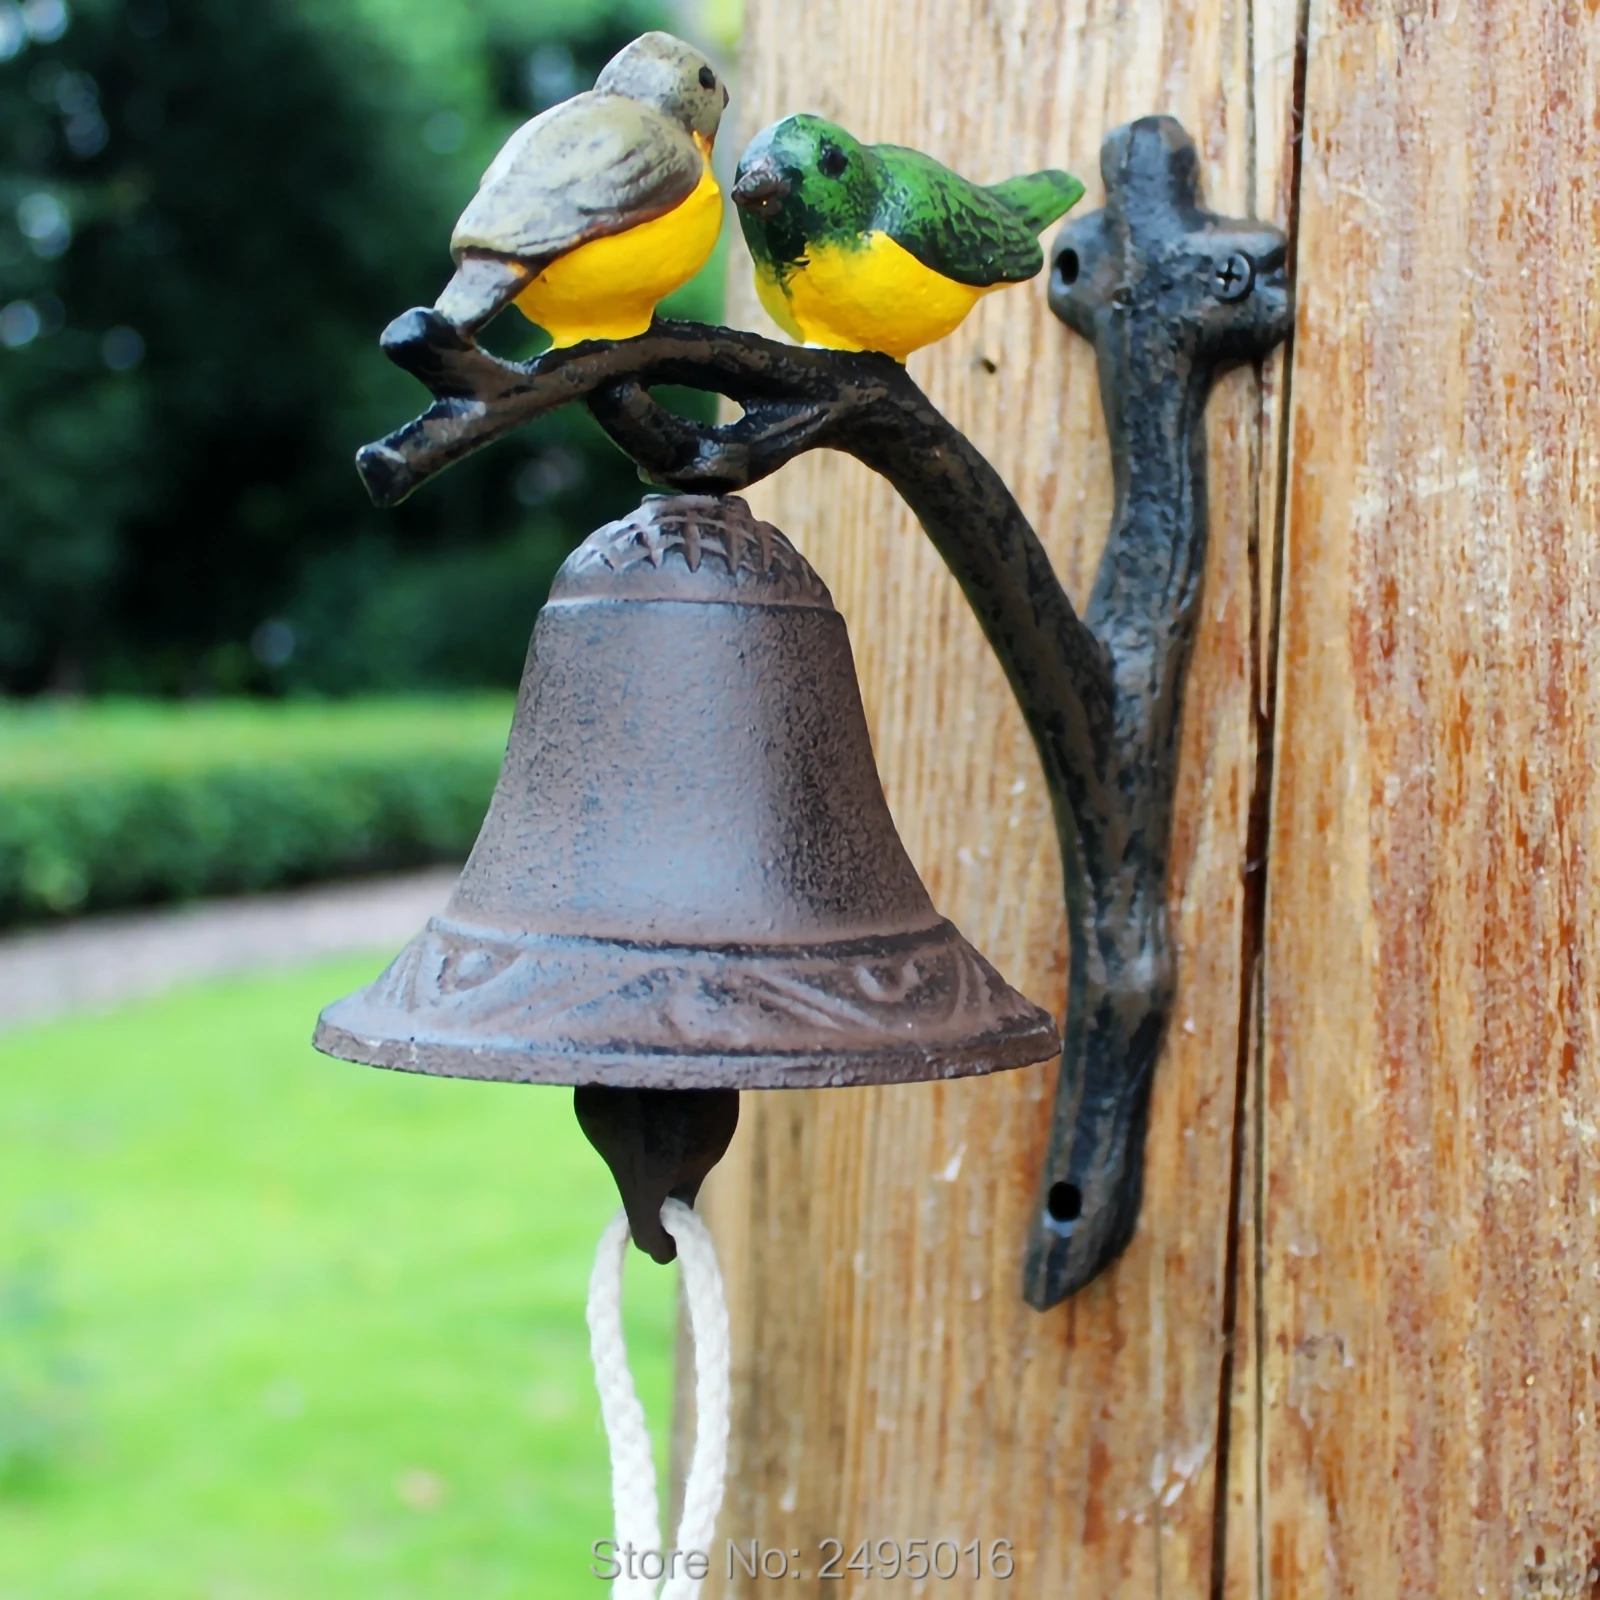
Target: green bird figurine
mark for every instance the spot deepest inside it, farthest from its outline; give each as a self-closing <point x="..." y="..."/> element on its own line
<point x="876" y="247"/>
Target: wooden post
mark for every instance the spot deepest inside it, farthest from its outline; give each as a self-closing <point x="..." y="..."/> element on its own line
<point x="1352" y="1349"/>
<point x="1431" y="1254"/>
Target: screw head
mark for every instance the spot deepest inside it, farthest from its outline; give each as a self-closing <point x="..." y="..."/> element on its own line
<point x="1234" y="278"/>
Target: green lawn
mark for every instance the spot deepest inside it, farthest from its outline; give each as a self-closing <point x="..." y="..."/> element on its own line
<point x="274" y="1327"/>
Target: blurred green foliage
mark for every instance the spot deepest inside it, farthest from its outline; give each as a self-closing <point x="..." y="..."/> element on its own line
<point x="208" y="211"/>
<point x="283" y="1328"/>
<point x="121" y="804"/>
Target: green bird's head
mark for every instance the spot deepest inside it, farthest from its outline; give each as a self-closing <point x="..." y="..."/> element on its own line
<point x="800" y="180"/>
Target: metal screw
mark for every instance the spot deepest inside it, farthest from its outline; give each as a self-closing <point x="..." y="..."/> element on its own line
<point x="1235" y="278"/>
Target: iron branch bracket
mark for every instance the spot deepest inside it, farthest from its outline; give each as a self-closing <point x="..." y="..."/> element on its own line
<point x="1168" y="293"/>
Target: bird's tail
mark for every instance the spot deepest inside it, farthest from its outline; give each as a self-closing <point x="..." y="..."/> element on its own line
<point x="481" y="286"/>
<point x="1039" y="197"/>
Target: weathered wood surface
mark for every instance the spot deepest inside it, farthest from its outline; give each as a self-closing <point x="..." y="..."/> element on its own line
<point x="1432" y="1245"/>
<point x="889" y="1380"/>
<point x="1385" y="1067"/>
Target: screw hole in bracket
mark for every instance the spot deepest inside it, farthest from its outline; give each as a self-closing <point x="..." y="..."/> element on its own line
<point x="1064" y="1203"/>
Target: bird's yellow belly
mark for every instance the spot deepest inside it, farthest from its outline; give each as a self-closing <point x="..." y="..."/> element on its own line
<point x="609" y="288"/>
<point x="871" y="295"/>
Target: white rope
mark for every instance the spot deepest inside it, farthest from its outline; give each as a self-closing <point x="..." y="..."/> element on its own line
<point x="708" y="1323"/>
<point x="633" y="1467"/>
<point x="633" y="1473"/>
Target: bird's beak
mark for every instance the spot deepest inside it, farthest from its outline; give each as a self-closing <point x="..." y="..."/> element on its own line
<point x="760" y="189"/>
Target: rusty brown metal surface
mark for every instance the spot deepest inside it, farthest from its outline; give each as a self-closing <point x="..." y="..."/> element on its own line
<point x="688" y="877"/>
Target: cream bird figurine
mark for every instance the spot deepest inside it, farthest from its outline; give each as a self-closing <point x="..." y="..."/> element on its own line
<point x="601" y="206"/>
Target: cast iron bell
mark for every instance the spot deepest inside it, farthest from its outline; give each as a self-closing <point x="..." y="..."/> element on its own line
<point x="688" y="879"/>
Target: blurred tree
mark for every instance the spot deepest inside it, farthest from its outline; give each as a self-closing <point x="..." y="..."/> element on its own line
<point x="207" y="212"/>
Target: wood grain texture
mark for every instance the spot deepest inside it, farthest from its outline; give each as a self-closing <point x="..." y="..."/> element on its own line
<point x="889" y="1380"/>
<point x="1432" y="1202"/>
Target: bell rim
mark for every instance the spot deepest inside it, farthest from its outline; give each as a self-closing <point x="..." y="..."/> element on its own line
<point x="915" y="1005"/>
<point x="1033" y="1042"/>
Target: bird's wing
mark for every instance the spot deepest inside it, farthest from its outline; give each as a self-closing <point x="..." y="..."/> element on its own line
<point x="955" y="227"/>
<point x="596" y="164"/>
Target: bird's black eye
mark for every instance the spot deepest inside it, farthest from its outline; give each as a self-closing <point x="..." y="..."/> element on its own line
<point x="832" y="162"/>
<point x="708" y="79"/>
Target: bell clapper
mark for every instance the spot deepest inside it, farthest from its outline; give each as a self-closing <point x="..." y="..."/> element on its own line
<point x="659" y="1145"/>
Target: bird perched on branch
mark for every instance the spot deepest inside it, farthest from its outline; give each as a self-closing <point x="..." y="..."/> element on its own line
<point x="599" y="207"/>
<point x="876" y="247"/>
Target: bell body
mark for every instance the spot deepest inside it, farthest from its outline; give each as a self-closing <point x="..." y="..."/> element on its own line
<point x="688" y="876"/>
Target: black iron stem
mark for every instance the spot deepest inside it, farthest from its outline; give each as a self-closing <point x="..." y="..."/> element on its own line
<point x="1168" y="293"/>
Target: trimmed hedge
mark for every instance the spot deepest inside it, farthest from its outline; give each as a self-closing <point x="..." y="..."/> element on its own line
<point x="125" y="804"/>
